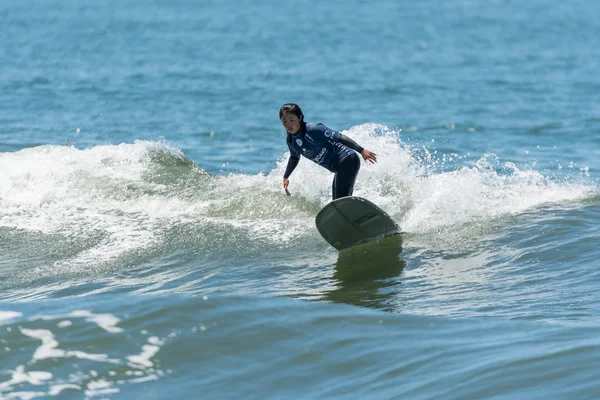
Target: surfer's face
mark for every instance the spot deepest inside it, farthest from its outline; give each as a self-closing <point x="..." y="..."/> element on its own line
<point x="291" y="122"/>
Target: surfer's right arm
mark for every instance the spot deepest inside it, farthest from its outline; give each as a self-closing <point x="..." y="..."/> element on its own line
<point x="291" y="166"/>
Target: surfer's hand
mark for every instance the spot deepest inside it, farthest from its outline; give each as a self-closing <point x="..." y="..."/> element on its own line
<point x="368" y="155"/>
<point x="286" y="182"/>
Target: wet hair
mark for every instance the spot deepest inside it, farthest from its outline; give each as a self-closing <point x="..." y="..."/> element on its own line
<point x="292" y="109"/>
<point x="297" y="111"/>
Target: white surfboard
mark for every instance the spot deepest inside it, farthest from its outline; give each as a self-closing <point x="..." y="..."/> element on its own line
<point x="350" y="221"/>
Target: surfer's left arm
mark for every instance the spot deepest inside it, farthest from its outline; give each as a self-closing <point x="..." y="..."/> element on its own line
<point x="367" y="154"/>
<point x="335" y="136"/>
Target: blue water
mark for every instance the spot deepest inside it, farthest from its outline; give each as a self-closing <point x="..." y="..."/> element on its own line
<point x="148" y="250"/>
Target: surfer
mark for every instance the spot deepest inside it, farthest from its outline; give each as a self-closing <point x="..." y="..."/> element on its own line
<point x="328" y="148"/>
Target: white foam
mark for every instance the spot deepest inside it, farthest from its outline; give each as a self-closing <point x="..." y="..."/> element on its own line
<point x="55" y="390"/>
<point x="101" y="388"/>
<point x="144" y="379"/>
<point x="82" y="194"/>
<point x="407" y="183"/>
<point x="477" y="193"/>
<point x="108" y="322"/>
<point x="24" y="395"/>
<point x="19" y="375"/>
<point x="110" y="198"/>
<point x="137" y="366"/>
<point x="148" y="351"/>
<point x="143" y="359"/>
<point x="9" y="315"/>
<point x="49" y="348"/>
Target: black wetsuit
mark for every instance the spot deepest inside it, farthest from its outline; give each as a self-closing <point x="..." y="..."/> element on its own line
<point x="331" y="150"/>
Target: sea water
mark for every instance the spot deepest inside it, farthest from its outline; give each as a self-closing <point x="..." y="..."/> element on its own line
<point x="147" y="249"/>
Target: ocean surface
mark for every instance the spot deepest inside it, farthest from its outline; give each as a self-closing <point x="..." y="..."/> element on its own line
<point x="147" y="249"/>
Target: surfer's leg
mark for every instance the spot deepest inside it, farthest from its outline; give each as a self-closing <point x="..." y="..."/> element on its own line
<point x="343" y="181"/>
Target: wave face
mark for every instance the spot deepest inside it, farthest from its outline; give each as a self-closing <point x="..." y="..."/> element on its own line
<point x="71" y="213"/>
<point x="109" y="201"/>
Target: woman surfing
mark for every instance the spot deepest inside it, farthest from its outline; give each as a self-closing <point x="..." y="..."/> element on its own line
<point x="328" y="148"/>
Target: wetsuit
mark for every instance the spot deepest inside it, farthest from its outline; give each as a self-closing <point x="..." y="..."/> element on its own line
<point x="329" y="149"/>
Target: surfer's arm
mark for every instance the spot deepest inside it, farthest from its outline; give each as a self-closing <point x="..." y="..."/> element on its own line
<point x="329" y="134"/>
<point x="291" y="166"/>
<point x="346" y="141"/>
<point x="334" y="136"/>
<point x="367" y="154"/>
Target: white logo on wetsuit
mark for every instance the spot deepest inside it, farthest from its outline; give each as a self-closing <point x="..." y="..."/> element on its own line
<point x="299" y="141"/>
<point x="328" y="133"/>
<point x="320" y="156"/>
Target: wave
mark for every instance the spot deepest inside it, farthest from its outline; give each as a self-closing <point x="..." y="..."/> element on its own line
<point x="84" y="209"/>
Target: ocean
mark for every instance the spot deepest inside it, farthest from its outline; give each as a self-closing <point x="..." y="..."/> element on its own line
<point x="148" y="250"/>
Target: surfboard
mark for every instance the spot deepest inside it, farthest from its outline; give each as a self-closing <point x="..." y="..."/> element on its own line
<point x="350" y="221"/>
